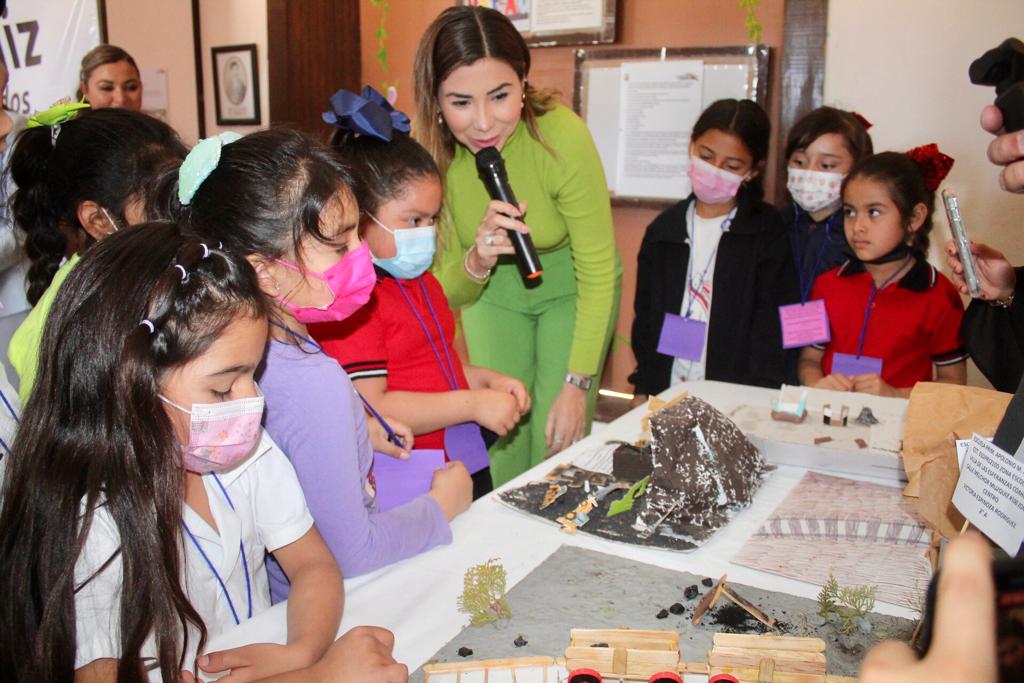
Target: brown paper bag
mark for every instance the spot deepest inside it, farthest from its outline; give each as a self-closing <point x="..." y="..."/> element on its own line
<point x="937" y="413"/>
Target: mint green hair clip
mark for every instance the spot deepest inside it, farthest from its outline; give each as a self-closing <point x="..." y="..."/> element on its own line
<point x="200" y="162"/>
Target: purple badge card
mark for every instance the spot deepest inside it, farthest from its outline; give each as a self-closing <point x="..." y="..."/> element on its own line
<point x="399" y="481"/>
<point x="464" y="442"/>
<point x="804" y="324"/>
<point x="851" y="366"/>
<point x="682" y="337"/>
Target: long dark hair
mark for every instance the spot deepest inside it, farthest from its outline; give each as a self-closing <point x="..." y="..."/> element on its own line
<point x="109" y="156"/>
<point x="905" y="182"/>
<point x="825" y="120"/>
<point x="267" y="193"/>
<point x="746" y="120"/>
<point x="383" y="169"/>
<point x="460" y="36"/>
<point x="94" y="433"/>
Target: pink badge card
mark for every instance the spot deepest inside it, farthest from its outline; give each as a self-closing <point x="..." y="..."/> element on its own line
<point x="400" y="481"/>
<point x="849" y="365"/>
<point x="682" y="337"/>
<point x="804" y="324"/>
<point x="465" y="442"/>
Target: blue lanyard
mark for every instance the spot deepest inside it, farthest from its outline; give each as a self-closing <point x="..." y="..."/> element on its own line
<point x="871" y="300"/>
<point x="807" y="279"/>
<point x="691" y="219"/>
<point x="392" y="436"/>
<point x="213" y="570"/>
<point x="317" y="347"/>
<point x="14" y="415"/>
<point x="449" y="369"/>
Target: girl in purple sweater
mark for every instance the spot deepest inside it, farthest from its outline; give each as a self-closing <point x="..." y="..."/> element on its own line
<point x="283" y="200"/>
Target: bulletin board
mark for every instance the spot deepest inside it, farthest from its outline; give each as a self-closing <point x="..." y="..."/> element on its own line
<point x="641" y="104"/>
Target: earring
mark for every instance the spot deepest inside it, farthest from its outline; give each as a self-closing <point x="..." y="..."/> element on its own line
<point x="440" y="119"/>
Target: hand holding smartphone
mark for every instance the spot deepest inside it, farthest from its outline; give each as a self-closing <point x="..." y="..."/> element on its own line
<point x="963" y="245"/>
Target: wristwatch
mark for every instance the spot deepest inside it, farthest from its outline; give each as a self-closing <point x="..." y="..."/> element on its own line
<point x="579" y="381"/>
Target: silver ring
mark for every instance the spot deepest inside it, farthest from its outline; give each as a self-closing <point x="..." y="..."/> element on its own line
<point x="557" y="439"/>
<point x="489" y="240"/>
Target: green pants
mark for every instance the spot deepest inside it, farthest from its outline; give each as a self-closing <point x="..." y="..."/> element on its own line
<point x="527" y="334"/>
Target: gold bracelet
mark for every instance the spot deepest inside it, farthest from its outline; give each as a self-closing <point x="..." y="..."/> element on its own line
<point x="1005" y="302"/>
<point x="479" y="279"/>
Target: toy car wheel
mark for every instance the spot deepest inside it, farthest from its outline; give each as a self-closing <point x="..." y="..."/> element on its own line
<point x="723" y="678"/>
<point x="665" y="677"/>
<point x="584" y="676"/>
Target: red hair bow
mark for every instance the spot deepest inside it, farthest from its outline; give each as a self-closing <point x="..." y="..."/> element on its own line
<point x="934" y="164"/>
<point x="863" y="121"/>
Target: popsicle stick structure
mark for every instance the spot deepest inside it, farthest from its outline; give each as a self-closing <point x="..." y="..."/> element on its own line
<point x="623" y="654"/>
<point x="488" y="666"/>
<point x="770" y="659"/>
<point x="723" y="589"/>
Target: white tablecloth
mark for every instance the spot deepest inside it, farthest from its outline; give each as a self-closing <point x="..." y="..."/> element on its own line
<point x="416" y="598"/>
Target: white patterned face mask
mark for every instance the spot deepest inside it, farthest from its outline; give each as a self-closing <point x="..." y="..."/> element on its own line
<point x="814" y="191"/>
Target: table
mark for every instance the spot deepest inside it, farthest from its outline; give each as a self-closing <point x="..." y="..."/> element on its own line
<point x="416" y="598"/>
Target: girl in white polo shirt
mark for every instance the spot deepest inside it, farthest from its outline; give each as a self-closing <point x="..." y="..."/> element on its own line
<point x="141" y="494"/>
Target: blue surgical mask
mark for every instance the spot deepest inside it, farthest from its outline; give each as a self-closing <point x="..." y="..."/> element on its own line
<point x="414" y="251"/>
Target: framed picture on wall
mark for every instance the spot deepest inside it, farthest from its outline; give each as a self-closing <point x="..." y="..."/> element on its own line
<point x="546" y="23"/>
<point x="236" y="84"/>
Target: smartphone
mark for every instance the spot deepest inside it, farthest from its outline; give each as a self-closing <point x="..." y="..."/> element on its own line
<point x="963" y="247"/>
<point x="1009" y="579"/>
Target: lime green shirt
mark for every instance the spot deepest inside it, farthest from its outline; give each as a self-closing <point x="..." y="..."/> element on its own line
<point x="567" y="204"/>
<point x="23" y="351"/>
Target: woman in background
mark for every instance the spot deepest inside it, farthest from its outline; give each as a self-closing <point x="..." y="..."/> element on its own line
<point x="110" y="78"/>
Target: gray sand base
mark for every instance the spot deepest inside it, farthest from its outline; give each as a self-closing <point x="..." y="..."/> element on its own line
<point x="577" y="588"/>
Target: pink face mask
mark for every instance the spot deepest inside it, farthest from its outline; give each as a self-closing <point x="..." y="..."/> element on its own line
<point x="350" y="280"/>
<point x="711" y="184"/>
<point x="220" y="435"/>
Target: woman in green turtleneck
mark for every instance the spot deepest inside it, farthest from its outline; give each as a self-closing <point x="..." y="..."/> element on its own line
<point x="471" y="93"/>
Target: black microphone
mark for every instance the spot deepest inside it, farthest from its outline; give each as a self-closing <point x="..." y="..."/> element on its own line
<point x="491" y="168"/>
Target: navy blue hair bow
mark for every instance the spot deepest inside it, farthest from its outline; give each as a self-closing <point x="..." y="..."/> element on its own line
<point x="366" y="114"/>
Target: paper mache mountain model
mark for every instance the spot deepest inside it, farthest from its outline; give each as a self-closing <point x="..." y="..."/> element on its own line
<point x="703" y="469"/>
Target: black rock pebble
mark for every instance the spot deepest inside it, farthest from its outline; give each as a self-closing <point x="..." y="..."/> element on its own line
<point x="465" y="651"/>
<point x="663" y="614"/>
<point x="707" y="582"/>
<point x="520" y="641"/>
<point x="691" y="592"/>
<point x="676" y="608"/>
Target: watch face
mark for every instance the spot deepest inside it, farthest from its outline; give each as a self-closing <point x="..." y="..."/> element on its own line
<point x="581" y="382"/>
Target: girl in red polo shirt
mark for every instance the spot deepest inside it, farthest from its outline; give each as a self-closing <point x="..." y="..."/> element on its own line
<point x="398" y="348"/>
<point x="893" y="318"/>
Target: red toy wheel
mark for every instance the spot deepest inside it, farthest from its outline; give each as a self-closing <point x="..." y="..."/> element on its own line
<point x="723" y="678"/>
<point x="666" y="677"/>
<point x="584" y="676"/>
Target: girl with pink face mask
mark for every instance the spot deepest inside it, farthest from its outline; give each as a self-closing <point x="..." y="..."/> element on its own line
<point x="713" y="269"/>
<point x="285" y="202"/>
<point x="141" y="495"/>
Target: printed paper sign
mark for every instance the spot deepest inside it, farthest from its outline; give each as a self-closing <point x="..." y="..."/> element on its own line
<point x="849" y="365"/>
<point x="682" y="337"/>
<point x="804" y="324"/>
<point x="990" y="493"/>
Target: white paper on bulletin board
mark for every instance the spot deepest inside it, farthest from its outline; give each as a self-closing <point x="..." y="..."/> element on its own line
<point x="724" y="81"/>
<point x="658" y="105"/>
<point x="603" y="101"/>
<point x="603" y="115"/>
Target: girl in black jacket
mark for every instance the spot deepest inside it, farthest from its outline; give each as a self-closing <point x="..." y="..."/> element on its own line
<point x="721" y="242"/>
